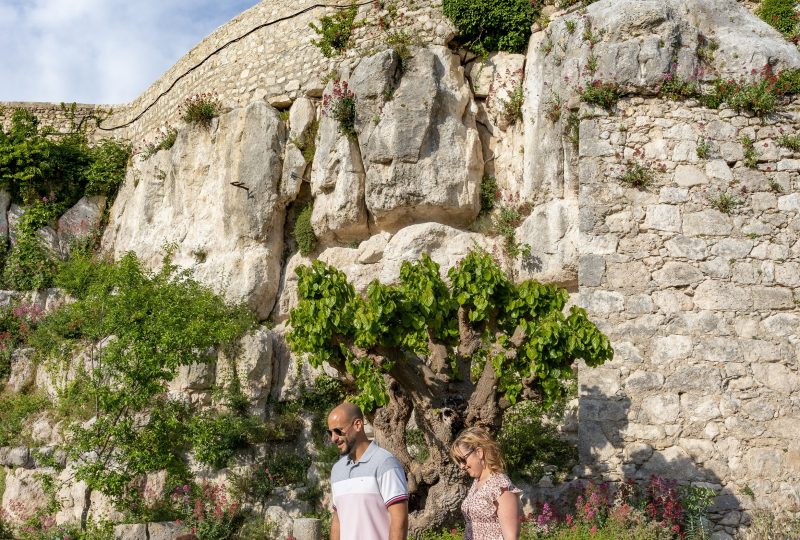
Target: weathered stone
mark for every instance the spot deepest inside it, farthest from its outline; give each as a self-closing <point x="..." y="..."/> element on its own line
<point x="699" y="408"/>
<point x="661" y="409"/>
<point x="672" y="462"/>
<point x="630" y="275"/>
<point x="643" y="381"/>
<point x="732" y="248"/>
<point x="777" y="377"/>
<point x="689" y="175"/>
<point x="302" y="116"/>
<point x="718" y="169"/>
<point x="663" y="217"/>
<point x="603" y="302"/>
<point x="717" y="295"/>
<point x="306" y="529"/>
<point x="789" y="203"/>
<point x="719" y="350"/>
<point x="423" y="159"/>
<point x="700" y="378"/>
<point x="371" y="250"/>
<point x="690" y="248"/>
<point x="772" y="298"/>
<point x="231" y="236"/>
<point x="23" y="369"/>
<point x="670" y="348"/>
<point x="80" y="221"/>
<point x="673" y="195"/>
<point x="591" y="269"/>
<point x="165" y="530"/>
<point x="676" y="274"/>
<point x="706" y="222"/>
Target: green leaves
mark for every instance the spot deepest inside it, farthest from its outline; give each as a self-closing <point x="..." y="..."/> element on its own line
<point x="365" y="335"/>
<point x="492" y="25"/>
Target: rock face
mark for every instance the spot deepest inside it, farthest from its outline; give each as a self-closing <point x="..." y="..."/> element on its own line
<point x="215" y="195"/>
<point x="423" y="158"/>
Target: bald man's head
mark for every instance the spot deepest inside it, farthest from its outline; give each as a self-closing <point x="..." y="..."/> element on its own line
<point x="346" y="429"/>
<point x="348" y="412"/>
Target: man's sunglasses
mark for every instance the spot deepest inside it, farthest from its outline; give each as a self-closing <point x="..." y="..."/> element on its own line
<point x="339" y="432"/>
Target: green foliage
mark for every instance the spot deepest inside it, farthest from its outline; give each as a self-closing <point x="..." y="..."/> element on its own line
<point x="750" y="154"/>
<point x="307" y="142"/>
<point x="724" y="202"/>
<point x="766" y="525"/>
<point x="637" y="175"/>
<point x="209" y="514"/>
<point x="216" y="437"/>
<point x="416" y="446"/>
<point x="604" y="94"/>
<point x="489" y="192"/>
<point x="400" y="320"/>
<point x="506" y="220"/>
<point x="30" y="266"/>
<point x="492" y="25"/>
<point x="256" y="484"/>
<point x="511" y="109"/>
<point x="703" y="148"/>
<point x="781" y="15"/>
<point x="573" y="129"/>
<point x="335" y="31"/>
<point x="303" y="232"/>
<point x="791" y="142"/>
<point x="15" y="409"/>
<point x="17" y="320"/>
<point x="159" y="322"/>
<point x="530" y="440"/>
<point x="676" y="88"/>
<point x="200" y="109"/>
<point x="107" y="169"/>
<point x="37" y="162"/>
<point x="340" y="105"/>
<point x="445" y="534"/>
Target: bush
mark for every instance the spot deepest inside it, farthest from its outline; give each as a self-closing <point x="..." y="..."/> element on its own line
<point x="335" y="31"/>
<point x="530" y="440"/>
<point x="489" y="192"/>
<point x="492" y="25"/>
<point x="166" y="142"/>
<point x="604" y="94"/>
<point x="637" y="176"/>
<point x="107" y="169"/>
<point x="217" y="437"/>
<point x="303" y="232"/>
<point x="14" y="410"/>
<point x="201" y="109"/>
<point x="30" y="266"/>
<point x="781" y="15"/>
<point x="341" y="106"/>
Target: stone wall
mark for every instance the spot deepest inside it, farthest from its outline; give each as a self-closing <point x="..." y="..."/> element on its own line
<point x="277" y="62"/>
<point x="701" y="304"/>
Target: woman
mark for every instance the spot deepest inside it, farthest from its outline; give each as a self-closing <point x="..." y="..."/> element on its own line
<point x="491" y="508"/>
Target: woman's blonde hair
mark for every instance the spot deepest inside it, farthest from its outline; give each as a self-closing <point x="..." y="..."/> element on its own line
<point x="477" y="437"/>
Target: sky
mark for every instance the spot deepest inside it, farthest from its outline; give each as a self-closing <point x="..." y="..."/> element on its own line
<point x="99" y="51"/>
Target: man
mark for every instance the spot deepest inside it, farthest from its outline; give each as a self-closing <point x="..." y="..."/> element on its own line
<point x="370" y="497"/>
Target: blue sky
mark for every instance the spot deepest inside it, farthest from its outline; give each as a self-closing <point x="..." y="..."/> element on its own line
<point x="99" y="51"/>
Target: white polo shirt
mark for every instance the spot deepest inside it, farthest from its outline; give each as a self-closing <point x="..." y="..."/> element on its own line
<point x="363" y="490"/>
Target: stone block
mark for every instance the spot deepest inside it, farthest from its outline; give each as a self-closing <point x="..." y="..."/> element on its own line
<point x="163" y="530"/>
<point x="718" y="350"/>
<point x="677" y="274"/>
<point x="718" y="169"/>
<point x="732" y="248"/>
<point x="707" y="222"/>
<point x="670" y="348"/>
<point x="663" y="217"/>
<point x="768" y="298"/>
<point x="644" y="381"/>
<point x="307" y="529"/>
<point x="590" y="270"/>
<point x="763" y="201"/>
<point x="134" y="531"/>
<point x="777" y="377"/>
<point x="660" y="409"/>
<point x="782" y="324"/>
<point x="700" y="378"/>
<point x="719" y="295"/>
<point x="629" y="275"/>
<point x="689" y="175"/>
<point x="672" y="462"/>
<point x="673" y="195"/>
<point x="686" y="247"/>
<point x="764" y="462"/>
<point x="700" y="408"/>
<point x="604" y="302"/>
<point x="789" y="203"/>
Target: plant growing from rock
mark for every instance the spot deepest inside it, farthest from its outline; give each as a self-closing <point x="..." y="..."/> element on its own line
<point x="724" y="202"/>
<point x="487" y="341"/>
<point x="200" y="109"/>
<point x="781" y="15"/>
<point x="572" y="127"/>
<point x="774" y="185"/>
<point x="492" y="25"/>
<point x="303" y="232"/>
<point x="750" y="154"/>
<point x="553" y="107"/>
<point x="164" y="142"/>
<point x="307" y="141"/>
<point x="511" y="108"/>
<point x="637" y="175"/>
<point x="340" y="105"/>
<point x="335" y="31"/>
<point x="703" y="148"/>
<point x="159" y="322"/>
<point x="30" y="265"/>
<point x="604" y="94"/>
<point x="489" y="193"/>
<point x="792" y="142"/>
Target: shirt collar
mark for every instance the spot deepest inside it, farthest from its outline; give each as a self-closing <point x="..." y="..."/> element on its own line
<point x="366" y="456"/>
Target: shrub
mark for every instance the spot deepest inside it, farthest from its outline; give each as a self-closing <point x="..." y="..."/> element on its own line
<point x="703" y="148"/>
<point x="553" y="107"/>
<point x="209" y="514"/>
<point x="511" y="108"/>
<point x="341" y="106"/>
<point x="17" y="321"/>
<point x="335" y="31"/>
<point x="492" y="25"/>
<point x="307" y="142"/>
<point x="489" y="192"/>
<point x="201" y="109"/>
<point x="604" y="94"/>
<point x="14" y="410"/>
<point x="749" y="150"/>
<point x="781" y="15"/>
<point x="637" y="176"/>
<point x="724" y="202"/>
<point x="109" y="161"/>
<point x="303" y="232"/>
<point x="30" y="266"/>
<point x="792" y="142"/>
<point x="217" y="437"/>
<point x="530" y="440"/>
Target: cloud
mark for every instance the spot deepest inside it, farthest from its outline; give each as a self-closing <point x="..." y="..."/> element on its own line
<point x="99" y="51"/>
